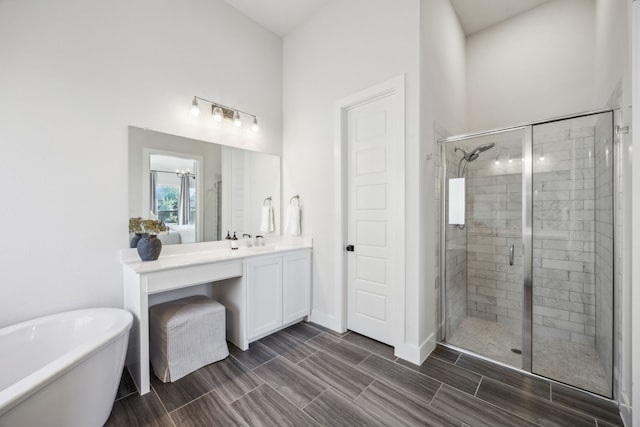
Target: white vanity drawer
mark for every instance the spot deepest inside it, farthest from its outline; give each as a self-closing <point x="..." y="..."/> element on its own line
<point x="165" y="280"/>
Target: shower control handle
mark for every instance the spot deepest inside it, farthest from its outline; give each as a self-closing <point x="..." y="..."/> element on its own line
<point x="511" y="253"/>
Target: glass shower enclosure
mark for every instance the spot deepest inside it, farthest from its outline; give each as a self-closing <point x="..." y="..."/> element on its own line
<point x="527" y="248"/>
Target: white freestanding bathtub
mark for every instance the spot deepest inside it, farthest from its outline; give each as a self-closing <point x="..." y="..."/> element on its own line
<point x="64" y="369"/>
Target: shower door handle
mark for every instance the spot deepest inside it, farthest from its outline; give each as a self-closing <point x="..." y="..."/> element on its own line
<point x="511" y="254"/>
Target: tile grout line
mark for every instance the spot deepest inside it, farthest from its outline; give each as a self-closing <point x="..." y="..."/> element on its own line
<point x="396" y="388"/>
<point x="248" y="368"/>
<point x="435" y="394"/>
<point x="443" y="382"/>
<point x="568" y="410"/>
<point x="163" y="406"/>
<point x="475" y="394"/>
<point x="292" y="403"/>
<point x="293" y="336"/>
<point x="365" y="389"/>
<point x="506" y="411"/>
<point x="266" y="383"/>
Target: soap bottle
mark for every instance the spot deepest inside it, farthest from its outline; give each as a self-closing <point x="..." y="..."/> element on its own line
<point x="228" y="236"/>
<point x="234" y="242"/>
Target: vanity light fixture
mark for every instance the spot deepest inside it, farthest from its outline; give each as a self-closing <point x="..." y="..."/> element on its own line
<point x="195" y="110"/>
<point x="217" y="114"/>
<point x="220" y="112"/>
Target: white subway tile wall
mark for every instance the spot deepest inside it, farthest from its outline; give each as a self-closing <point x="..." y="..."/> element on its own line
<point x="494" y="212"/>
<point x="564" y="231"/>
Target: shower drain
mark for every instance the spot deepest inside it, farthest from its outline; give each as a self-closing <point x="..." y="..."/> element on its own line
<point x="516" y="351"/>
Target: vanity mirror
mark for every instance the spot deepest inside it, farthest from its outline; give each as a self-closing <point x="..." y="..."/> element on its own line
<point x="200" y="189"/>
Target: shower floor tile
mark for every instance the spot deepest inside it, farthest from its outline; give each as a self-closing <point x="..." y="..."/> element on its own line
<point x="567" y="362"/>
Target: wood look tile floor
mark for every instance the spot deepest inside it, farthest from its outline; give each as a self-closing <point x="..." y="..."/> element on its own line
<point x="306" y="375"/>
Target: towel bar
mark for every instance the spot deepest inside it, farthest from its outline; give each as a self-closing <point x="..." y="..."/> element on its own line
<point x="267" y="201"/>
<point x="297" y="197"/>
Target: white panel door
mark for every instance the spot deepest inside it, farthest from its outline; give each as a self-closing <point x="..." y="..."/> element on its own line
<point x="373" y="213"/>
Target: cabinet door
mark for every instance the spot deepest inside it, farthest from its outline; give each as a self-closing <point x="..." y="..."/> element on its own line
<point x="264" y="295"/>
<point x="296" y="285"/>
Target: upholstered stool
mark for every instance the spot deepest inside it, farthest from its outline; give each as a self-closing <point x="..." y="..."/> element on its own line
<point x="186" y="335"/>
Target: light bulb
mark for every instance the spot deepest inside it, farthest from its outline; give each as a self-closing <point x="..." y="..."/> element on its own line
<point x="254" y="126"/>
<point x="195" y="110"/>
<point x="236" y="119"/>
<point x="497" y="161"/>
<point x="217" y="114"/>
<point x="510" y="160"/>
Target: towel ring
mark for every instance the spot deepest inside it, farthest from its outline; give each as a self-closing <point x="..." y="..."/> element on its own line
<point x="297" y="198"/>
<point x="267" y="201"/>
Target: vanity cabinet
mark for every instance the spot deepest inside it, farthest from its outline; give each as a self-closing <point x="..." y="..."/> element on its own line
<point x="263" y="289"/>
<point x="264" y="295"/>
<point x="296" y="286"/>
<point x="278" y="291"/>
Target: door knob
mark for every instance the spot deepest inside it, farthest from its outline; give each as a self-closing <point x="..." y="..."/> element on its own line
<point x="349" y="248"/>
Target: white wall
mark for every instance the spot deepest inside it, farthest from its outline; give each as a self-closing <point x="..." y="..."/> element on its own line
<point x="443" y="108"/>
<point x="535" y="66"/>
<point x="74" y="75"/>
<point x="349" y="46"/>
<point x="634" y="316"/>
<point x="613" y="87"/>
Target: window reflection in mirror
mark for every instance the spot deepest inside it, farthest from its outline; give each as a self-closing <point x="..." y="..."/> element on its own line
<point x="172" y="194"/>
<point x="227" y="186"/>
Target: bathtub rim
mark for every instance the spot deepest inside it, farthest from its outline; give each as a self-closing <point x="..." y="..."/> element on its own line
<point x="19" y="391"/>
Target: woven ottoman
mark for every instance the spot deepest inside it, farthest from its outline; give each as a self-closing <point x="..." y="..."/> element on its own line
<point x="186" y="335"/>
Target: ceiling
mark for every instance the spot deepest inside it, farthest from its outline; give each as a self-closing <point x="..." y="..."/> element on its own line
<point x="283" y="16"/>
<point x="476" y="15"/>
<point x="278" y="16"/>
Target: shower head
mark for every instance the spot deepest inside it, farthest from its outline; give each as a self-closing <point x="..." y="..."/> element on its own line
<point x="473" y="154"/>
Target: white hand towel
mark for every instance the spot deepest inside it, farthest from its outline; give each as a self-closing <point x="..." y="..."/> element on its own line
<point x="267" y="221"/>
<point x="292" y="226"/>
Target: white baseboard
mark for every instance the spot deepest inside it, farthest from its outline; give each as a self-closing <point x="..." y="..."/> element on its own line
<point x="329" y="321"/>
<point x="416" y="354"/>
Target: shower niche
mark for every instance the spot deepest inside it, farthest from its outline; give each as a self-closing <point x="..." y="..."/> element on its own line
<point x="528" y="275"/>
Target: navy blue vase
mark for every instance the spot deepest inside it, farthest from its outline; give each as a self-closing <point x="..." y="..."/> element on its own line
<point x="134" y="240"/>
<point x="149" y="247"/>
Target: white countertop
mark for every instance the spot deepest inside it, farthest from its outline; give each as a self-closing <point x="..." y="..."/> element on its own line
<point x="177" y="256"/>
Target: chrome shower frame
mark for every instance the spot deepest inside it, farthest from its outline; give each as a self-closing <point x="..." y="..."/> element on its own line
<point x="527" y="222"/>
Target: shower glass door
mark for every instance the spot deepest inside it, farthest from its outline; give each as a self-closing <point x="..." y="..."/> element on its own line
<point x="573" y="179"/>
<point x="528" y="225"/>
<point x="484" y="247"/>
